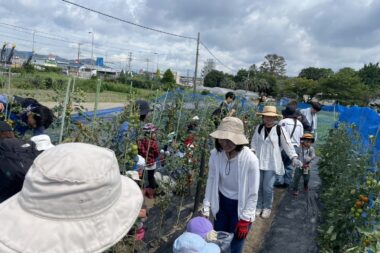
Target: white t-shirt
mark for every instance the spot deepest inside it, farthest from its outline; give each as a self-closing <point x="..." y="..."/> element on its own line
<point x="288" y="125"/>
<point x="228" y="179"/>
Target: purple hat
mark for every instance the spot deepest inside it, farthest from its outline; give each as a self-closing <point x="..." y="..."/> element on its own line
<point x="200" y="226"/>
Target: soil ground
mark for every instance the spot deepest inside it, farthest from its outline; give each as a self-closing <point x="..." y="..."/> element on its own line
<point x="261" y="226"/>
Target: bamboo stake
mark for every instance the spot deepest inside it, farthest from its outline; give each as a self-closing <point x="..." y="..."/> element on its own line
<point x="99" y="83"/>
<point x="64" y="110"/>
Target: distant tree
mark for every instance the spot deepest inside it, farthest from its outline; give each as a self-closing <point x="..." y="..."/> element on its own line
<point x="370" y="75"/>
<point x="208" y="67"/>
<point x="157" y="75"/>
<point x="241" y="76"/>
<point x="315" y="73"/>
<point x="228" y="81"/>
<point x="274" y="65"/>
<point x="345" y="86"/>
<point x="297" y="87"/>
<point x="214" y="78"/>
<point x="168" y="77"/>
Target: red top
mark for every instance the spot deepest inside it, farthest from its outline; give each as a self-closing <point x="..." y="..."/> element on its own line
<point x="143" y="146"/>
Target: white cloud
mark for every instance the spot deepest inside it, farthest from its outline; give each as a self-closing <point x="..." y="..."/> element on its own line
<point x="324" y="33"/>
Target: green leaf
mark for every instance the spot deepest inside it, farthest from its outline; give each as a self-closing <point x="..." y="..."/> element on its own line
<point x="329" y="231"/>
<point x="333" y="237"/>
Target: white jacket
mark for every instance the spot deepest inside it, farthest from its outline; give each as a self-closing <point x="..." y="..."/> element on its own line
<point x="311" y="118"/>
<point x="249" y="180"/>
<point x="268" y="150"/>
<point x="288" y="125"/>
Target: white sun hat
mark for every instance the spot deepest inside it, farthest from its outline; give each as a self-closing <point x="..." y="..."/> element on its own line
<point x="42" y="142"/>
<point x="73" y="200"/>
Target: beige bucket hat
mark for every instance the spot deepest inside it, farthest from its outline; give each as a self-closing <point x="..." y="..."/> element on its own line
<point x="73" y="200"/>
<point x="270" y="111"/>
<point x="231" y="128"/>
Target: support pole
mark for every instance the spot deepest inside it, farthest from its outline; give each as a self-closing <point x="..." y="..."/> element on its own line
<point x="64" y="110"/>
<point x="196" y="66"/>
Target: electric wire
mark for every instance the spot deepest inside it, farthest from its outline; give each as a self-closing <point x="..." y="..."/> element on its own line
<point x="129" y="22"/>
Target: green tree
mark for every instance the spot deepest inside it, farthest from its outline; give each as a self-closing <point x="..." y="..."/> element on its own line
<point x="297" y="87"/>
<point x="157" y="75"/>
<point x="274" y="65"/>
<point x="370" y="75"/>
<point x="214" y="78"/>
<point x="315" y="73"/>
<point x="241" y="76"/>
<point x="168" y="77"/>
<point x="346" y="87"/>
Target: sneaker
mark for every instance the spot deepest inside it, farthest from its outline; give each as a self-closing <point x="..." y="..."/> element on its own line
<point x="295" y="193"/>
<point x="266" y="213"/>
<point x="258" y="211"/>
<point x="306" y="188"/>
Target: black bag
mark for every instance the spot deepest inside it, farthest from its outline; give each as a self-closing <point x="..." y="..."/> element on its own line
<point x="285" y="158"/>
<point x="16" y="157"/>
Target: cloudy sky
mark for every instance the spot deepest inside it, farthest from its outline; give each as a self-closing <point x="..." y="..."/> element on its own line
<point x="323" y="33"/>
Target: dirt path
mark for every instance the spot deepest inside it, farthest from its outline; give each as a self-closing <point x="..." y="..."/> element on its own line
<point x="261" y="226"/>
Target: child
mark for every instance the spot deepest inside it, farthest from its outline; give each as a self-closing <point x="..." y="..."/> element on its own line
<point x="306" y="154"/>
<point x="148" y="149"/>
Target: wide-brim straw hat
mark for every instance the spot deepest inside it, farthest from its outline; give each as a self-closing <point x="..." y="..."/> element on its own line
<point x="269" y="111"/>
<point x="73" y="200"/>
<point x="231" y="128"/>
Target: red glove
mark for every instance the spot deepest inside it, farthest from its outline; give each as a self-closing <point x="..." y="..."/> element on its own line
<point x="242" y="228"/>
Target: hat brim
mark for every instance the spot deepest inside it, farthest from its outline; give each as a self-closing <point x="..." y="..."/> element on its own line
<point x="23" y="231"/>
<point x="237" y="139"/>
<point x="269" y="114"/>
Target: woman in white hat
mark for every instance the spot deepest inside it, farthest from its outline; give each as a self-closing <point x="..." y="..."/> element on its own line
<point x="73" y="200"/>
<point x="232" y="183"/>
<point x="267" y="142"/>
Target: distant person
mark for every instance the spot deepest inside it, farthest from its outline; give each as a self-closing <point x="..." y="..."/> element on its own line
<point x="232" y="182"/>
<point x="226" y="109"/>
<point x="311" y="116"/>
<point x="267" y="141"/>
<point x="73" y="200"/>
<point x="306" y="154"/>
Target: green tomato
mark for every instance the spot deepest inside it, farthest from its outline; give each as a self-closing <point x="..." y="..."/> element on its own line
<point x="360" y="210"/>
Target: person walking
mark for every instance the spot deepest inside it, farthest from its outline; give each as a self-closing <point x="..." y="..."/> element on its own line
<point x="306" y="153"/>
<point x="267" y="141"/>
<point x="295" y="129"/>
<point x="232" y="183"/>
<point x="311" y="115"/>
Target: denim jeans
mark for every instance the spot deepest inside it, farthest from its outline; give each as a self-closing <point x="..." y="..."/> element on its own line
<point x="226" y="220"/>
<point x="265" y="197"/>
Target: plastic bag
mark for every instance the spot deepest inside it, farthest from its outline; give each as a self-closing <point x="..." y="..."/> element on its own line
<point x="223" y="240"/>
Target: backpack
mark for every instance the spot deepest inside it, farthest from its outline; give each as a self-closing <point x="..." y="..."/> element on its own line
<point x="16" y="157"/>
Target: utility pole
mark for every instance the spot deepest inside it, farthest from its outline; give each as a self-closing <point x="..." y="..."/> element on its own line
<point x="129" y="63"/>
<point x="187" y="78"/>
<point x="34" y="33"/>
<point x="196" y="66"/>
<point x="147" y="65"/>
<point x="78" y="58"/>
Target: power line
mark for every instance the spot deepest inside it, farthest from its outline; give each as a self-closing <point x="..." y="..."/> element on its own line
<point x="129" y="22"/>
<point x="208" y="50"/>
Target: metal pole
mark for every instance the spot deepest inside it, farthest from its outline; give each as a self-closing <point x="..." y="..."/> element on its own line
<point x="196" y="66"/>
<point x="34" y="32"/>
